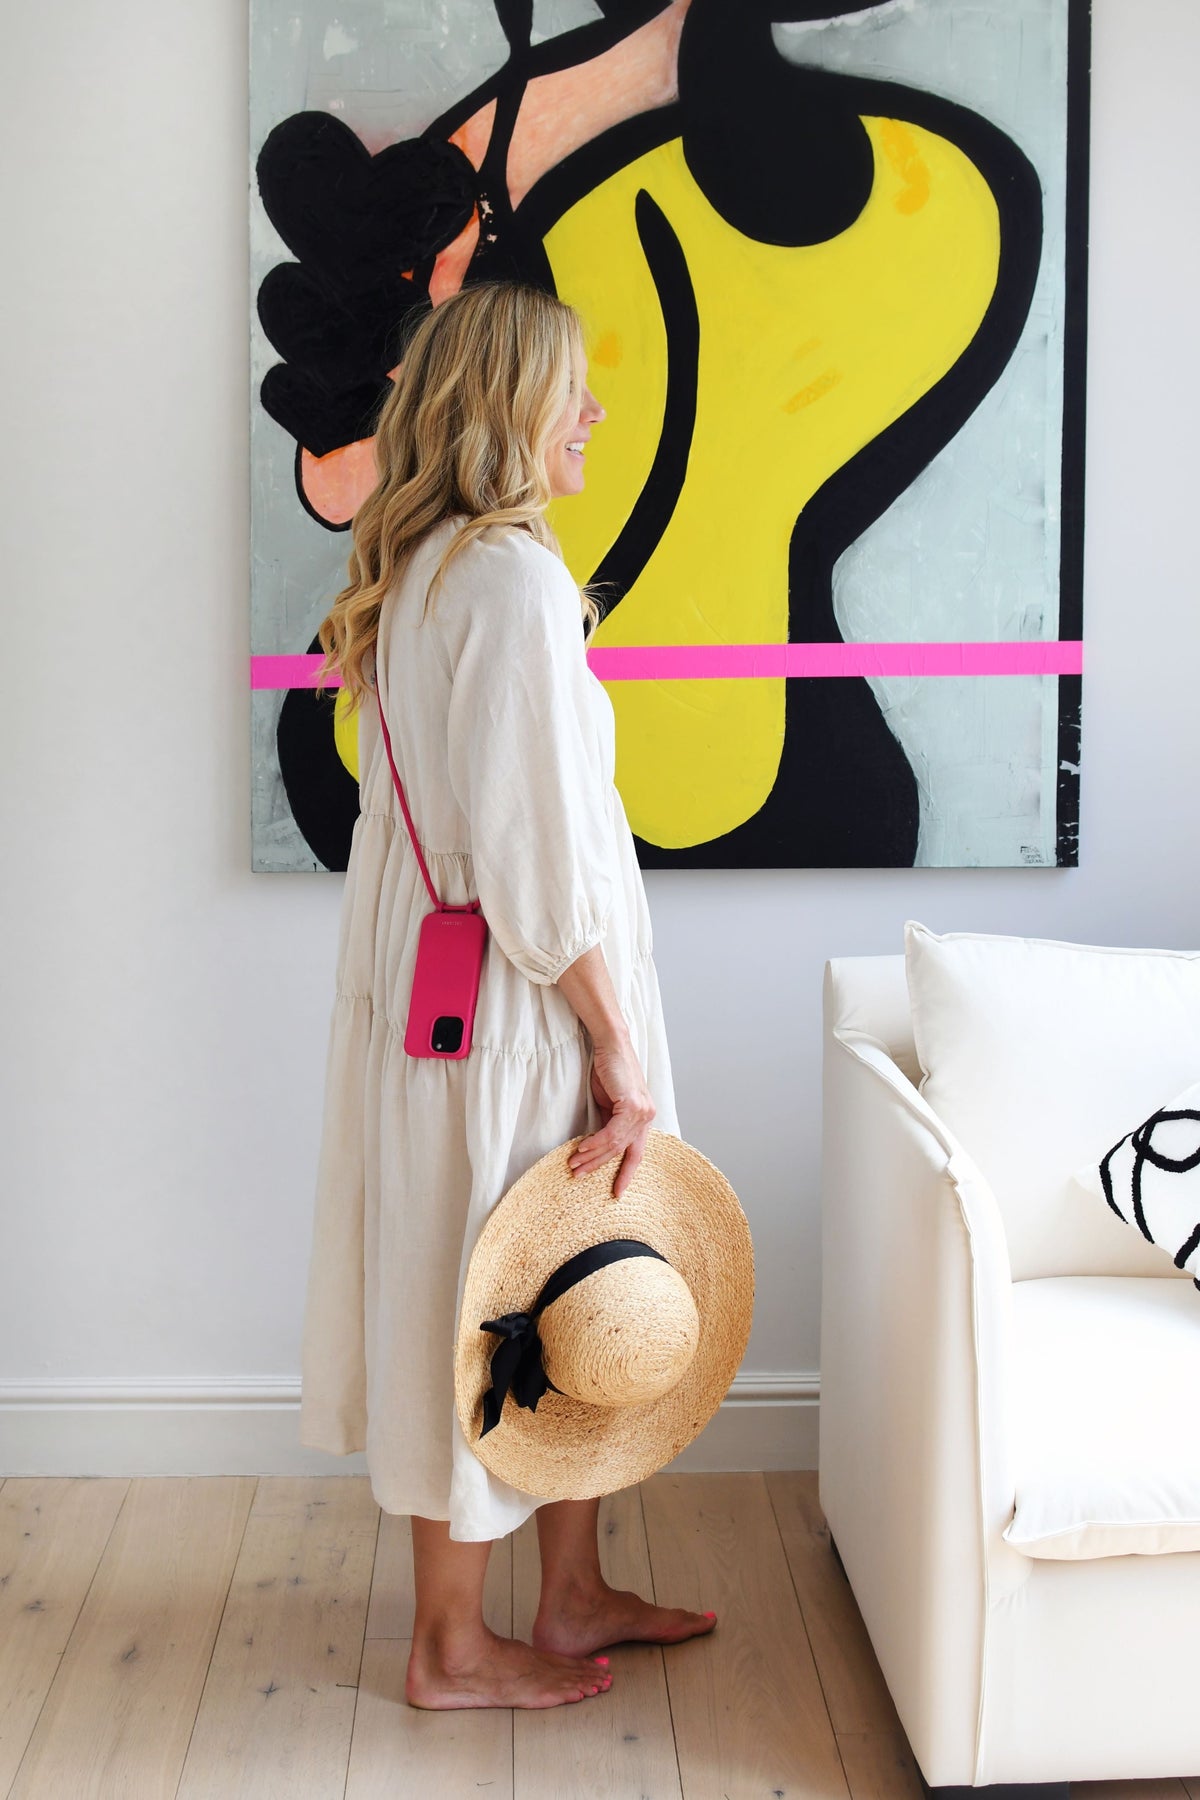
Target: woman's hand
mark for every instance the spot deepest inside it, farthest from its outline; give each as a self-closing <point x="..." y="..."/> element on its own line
<point x="626" y="1109"/>
<point x="617" y="1079"/>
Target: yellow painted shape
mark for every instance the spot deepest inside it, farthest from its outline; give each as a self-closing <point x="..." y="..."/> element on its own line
<point x="345" y="731"/>
<point x="806" y="356"/>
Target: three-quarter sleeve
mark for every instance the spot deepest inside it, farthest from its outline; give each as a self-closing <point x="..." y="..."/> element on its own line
<point x="524" y="761"/>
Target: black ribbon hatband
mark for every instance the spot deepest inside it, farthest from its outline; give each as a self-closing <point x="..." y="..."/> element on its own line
<point x="517" y="1360"/>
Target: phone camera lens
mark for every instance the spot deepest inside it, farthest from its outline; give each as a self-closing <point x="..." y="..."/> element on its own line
<point x="447" y="1034"/>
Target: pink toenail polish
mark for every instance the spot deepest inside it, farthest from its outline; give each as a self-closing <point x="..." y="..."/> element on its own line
<point x="601" y="1659"/>
<point x="709" y="1615"/>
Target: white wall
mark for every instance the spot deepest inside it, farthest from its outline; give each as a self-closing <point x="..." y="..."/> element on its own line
<point x="166" y="1011"/>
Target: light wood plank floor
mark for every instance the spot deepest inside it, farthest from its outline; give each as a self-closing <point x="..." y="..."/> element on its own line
<point x="245" y="1639"/>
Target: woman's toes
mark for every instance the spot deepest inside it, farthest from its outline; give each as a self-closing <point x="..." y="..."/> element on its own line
<point x="583" y="1681"/>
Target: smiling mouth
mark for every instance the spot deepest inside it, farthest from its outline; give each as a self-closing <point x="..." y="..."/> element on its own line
<point x="576" y="449"/>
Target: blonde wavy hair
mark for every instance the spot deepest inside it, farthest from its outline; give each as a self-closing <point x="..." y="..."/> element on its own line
<point x="485" y="377"/>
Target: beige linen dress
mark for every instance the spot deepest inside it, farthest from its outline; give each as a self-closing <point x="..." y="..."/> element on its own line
<point x="505" y="743"/>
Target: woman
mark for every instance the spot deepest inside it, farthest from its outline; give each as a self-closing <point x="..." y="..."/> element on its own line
<point x="462" y="613"/>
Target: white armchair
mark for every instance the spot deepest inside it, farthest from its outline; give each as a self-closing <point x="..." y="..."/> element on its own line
<point x="948" y="1389"/>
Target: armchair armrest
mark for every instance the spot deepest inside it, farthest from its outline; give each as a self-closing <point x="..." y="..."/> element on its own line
<point x="915" y="1327"/>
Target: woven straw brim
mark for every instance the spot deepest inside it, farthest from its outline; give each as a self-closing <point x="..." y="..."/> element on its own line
<point x="682" y="1206"/>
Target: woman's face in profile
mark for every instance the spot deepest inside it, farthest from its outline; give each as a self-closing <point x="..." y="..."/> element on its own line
<point x="568" y="442"/>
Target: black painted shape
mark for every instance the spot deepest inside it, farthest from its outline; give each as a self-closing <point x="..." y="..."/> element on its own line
<point x="1070" y="742"/>
<point x="516" y="22"/>
<point x="347" y="214"/>
<point x="320" y="418"/>
<point x="321" y="791"/>
<point x="311" y="325"/>
<point x="357" y="223"/>
<point x="628" y="15"/>
<point x="1070" y="687"/>
<point x="654" y="506"/>
<point x="793" y="164"/>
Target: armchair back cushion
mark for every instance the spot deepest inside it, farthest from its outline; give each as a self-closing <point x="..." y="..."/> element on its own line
<point x="1038" y="1055"/>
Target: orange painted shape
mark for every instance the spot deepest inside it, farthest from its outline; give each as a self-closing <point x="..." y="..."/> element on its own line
<point x="816" y="390"/>
<point x="568" y="108"/>
<point x="900" y="148"/>
<point x="607" y="350"/>
<point x="473" y="137"/>
<point x="336" y="485"/>
<point x="451" y="263"/>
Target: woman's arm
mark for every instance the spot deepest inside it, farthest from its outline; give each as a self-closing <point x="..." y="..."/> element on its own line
<point x="618" y="1081"/>
<point x="588" y="986"/>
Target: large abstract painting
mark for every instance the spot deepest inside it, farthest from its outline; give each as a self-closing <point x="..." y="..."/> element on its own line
<point x="831" y="265"/>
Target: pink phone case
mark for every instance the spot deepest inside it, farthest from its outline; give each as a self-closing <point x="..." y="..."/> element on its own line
<point x="446" y="982"/>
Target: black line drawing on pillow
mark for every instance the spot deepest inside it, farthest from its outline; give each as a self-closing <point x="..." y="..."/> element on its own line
<point x="1141" y="1140"/>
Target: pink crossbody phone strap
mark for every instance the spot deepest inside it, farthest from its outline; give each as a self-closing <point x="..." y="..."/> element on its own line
<point x="442" y="905"/>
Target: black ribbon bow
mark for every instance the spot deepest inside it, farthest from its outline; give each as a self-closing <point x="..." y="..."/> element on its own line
<point x="516" y="1365"/>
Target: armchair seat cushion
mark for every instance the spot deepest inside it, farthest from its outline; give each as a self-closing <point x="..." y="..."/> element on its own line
<point x="1102" y="1419"/>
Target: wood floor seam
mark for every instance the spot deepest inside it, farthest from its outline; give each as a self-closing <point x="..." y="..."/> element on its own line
<point x="217" y="1634"/>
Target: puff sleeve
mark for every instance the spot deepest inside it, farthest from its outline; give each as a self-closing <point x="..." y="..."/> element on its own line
<point x="524" y="760"/>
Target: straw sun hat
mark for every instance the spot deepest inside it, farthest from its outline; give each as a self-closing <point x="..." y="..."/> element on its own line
<point x="598" y="1335"/>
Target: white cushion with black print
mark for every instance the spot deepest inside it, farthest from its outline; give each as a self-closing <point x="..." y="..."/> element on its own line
<point x="1151" y="1179"/>
<point x="1104" y="1367"/>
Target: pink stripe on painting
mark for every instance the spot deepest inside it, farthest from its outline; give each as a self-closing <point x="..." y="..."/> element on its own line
<point x="704" y="662"/>
<point x="740" y="662"/>
<point x="288" y="672"/>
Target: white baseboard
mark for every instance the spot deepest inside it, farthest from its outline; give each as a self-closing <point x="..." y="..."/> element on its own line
<point x="247" y="1425"/>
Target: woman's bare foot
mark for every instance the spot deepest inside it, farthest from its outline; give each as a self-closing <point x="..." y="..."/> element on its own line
<point x="487" y="1670"/>
<point x="581" y="1620"/>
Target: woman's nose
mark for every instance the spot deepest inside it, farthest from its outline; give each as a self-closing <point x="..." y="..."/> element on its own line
<point x="593" y="412"/>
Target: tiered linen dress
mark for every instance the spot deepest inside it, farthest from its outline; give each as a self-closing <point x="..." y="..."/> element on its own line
<point x="505" y="743"/>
